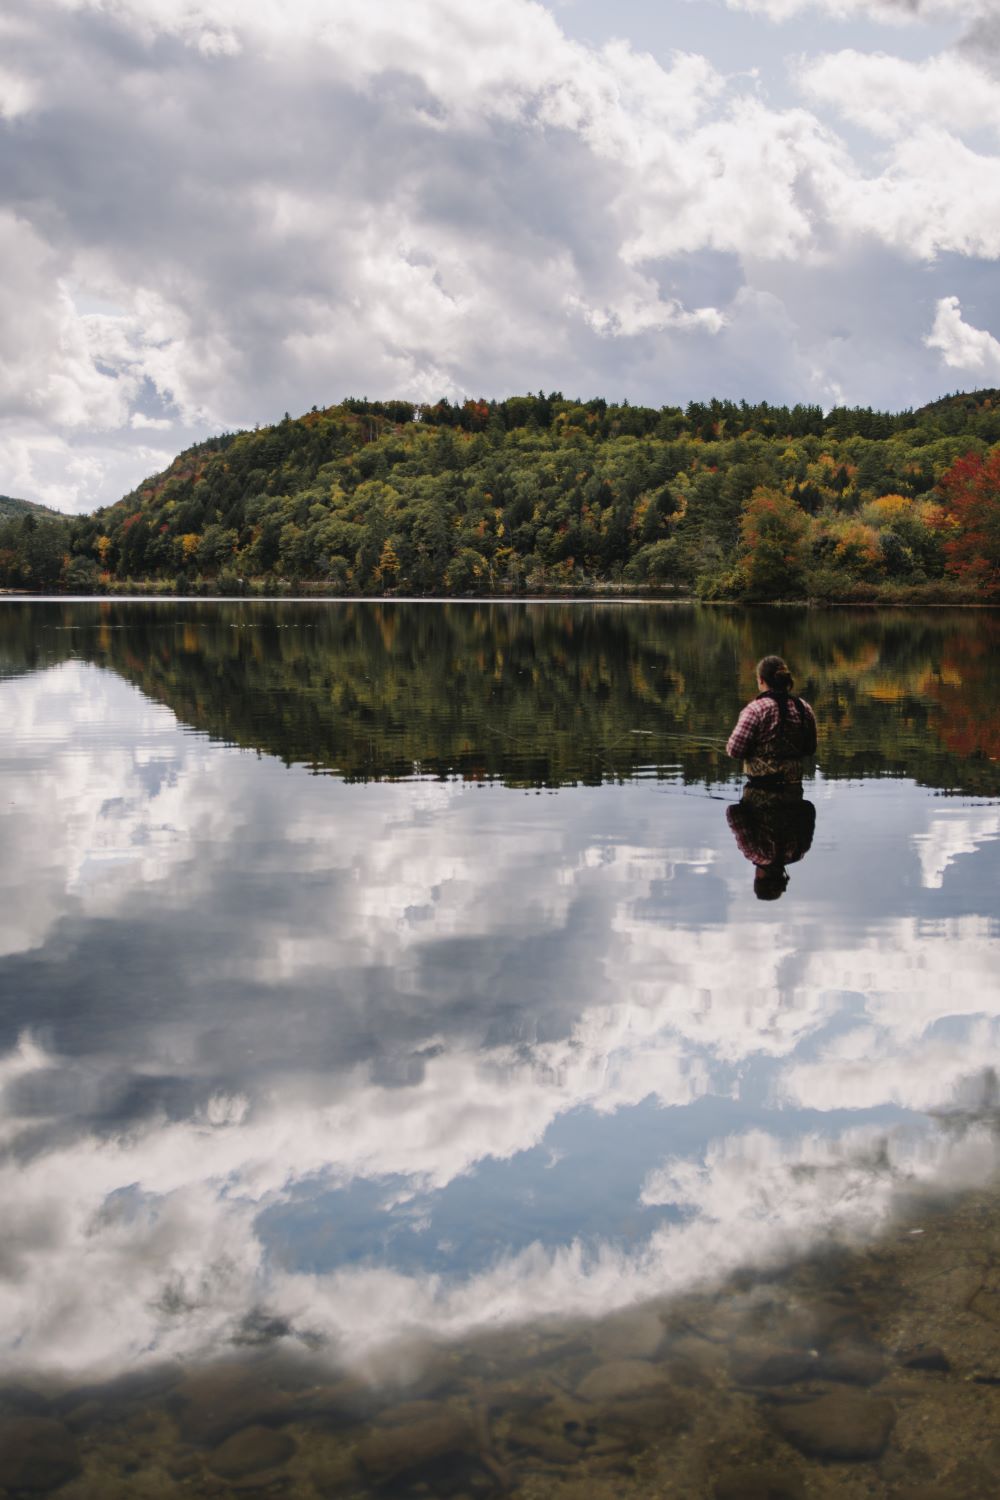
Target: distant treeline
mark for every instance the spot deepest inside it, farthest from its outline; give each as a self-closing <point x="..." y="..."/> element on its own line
<point x="540" y="493"/>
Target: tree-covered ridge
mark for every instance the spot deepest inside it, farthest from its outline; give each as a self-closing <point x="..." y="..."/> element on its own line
<point x="9" y="507"/>
<point x="543" y="695"/>
<point x="724" y="499"/>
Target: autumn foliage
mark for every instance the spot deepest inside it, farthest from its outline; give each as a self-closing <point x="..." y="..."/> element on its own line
<point x="546" y="493"/>
<point x="773" y="531"/>
<point x="971" y="520"/>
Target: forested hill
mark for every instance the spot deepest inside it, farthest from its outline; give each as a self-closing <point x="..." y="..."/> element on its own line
<point x="725" y="499"/>
<point x="9" y="507"/>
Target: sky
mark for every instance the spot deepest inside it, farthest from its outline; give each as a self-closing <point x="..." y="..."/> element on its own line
<point x="212" y="213"/>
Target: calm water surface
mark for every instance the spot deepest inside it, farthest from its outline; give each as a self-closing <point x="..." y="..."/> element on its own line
<point x="389" y="1007"/>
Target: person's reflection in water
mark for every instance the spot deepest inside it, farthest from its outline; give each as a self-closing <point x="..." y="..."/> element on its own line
<point x="773" y="829"/>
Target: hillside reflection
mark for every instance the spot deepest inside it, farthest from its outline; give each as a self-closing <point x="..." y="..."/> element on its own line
<point x="544" y="696"/>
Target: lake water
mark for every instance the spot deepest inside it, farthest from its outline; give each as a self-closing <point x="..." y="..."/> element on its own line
<point x="411" y="1085"/>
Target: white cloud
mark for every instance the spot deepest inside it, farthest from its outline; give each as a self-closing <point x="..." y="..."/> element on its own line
<point x="936" y="194"/>
<point x="636" y="313"/>
<point x="141" y="422"/>
<point x="962" y="346"/>
<point x="891" y="96"/>
<point x="752" y="1180"/>
<point x="73" y="473"/>
<point x="51" y="361"/>
<point x="952" y="834"/>
<point x="750" y="183"/>
<point x="17" y="95"/>
<point x="873" y="1066"/>
<point x="901" y="12"/>
<point x="83" y="802"/>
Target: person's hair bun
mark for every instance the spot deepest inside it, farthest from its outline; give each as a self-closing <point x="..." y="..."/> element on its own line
<point x="774" y="671"/>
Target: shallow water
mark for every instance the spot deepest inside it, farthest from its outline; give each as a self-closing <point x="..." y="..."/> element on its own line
<point x="388" y="1007"/>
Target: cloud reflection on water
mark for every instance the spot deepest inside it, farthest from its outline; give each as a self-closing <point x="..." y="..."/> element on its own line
<point x="230" y="989"/>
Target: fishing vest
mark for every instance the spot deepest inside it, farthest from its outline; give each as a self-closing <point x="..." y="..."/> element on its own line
<point x="793" y="738"/>
<point x="778" y="763"/>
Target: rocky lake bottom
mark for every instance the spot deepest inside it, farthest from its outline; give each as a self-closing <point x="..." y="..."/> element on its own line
<point x="854" y="1373"/>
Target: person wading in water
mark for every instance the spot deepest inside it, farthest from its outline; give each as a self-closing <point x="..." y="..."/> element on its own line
<point x="774" y="733"/>
<point x="772" y="822"/>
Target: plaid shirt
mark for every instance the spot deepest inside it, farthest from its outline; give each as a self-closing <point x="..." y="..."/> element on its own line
<point x="757" y="728"/>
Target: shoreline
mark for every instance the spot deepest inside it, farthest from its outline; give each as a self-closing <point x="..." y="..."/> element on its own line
<point x="160" y="596"/>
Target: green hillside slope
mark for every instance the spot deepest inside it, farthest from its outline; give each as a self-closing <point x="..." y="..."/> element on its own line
<point x="9" y="507"/>
<point x="544" y="493"/>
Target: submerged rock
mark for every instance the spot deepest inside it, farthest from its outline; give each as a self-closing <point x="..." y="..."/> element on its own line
<point x="926" y="1357"/>
<point x="635" y="1334"/>
<point x="251" y="1450"/>
<point x="646" y="1419"/>
<point x="21" y="1400"/>
<point x="341" y="1403"/>
<point x="212" y="1403"/>
<point x="758" y="1484"/>
<point x="408" y="1414"/>
<point x="554" y="1447"/>
<point x="768" y="1366"/>
<point x="390" y="1452"/>
<point x="927" y="1492"/>
<point x="619" y="1380"/>
<point x="694" y="1363"/>
<point x="852" y="1365"/>
<point x="182" y="1465"/>
<point x="517" y="1397"/>
<point x="331" y="1466"/>
<point x="36" y="1454"/>
<point x="969" y="1481"/>
<point x="840" y="1425"/>
<point x="986" y="1303"/>
<point x="834" y="1320"/>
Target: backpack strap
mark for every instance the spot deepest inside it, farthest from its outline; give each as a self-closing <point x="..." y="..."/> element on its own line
<point x="808" y="728"/>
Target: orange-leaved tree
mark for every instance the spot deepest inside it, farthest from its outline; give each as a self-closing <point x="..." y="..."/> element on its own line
<point x="773" y="532"/>
<point x="971" y="519"/>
